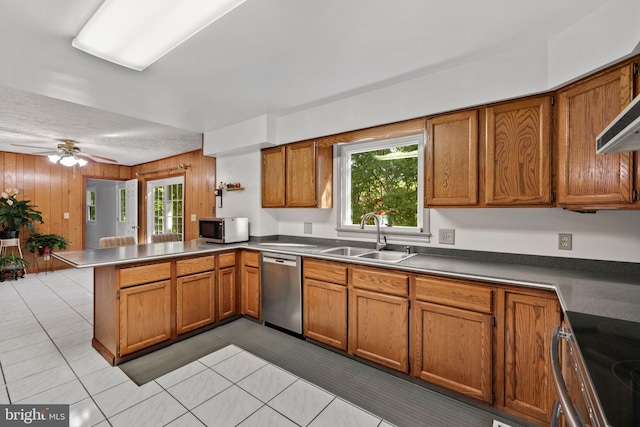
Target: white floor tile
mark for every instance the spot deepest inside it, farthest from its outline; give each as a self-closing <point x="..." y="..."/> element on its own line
<point x="239" y="366"/>
<point x="187" y="420"/>
<point x="88" y="364"/>
<point x="29" y="352"/>
<point x="340" y="412"/>
<point x="228" y="408"/>
<point x="180" y="374"/>
<point x="40" y="382"/>
<point x="267" y="417"/>
<point x="4" y="397"/>
<point x="200" y="387"/>
<point x="220" y="355"/>
<point x="103" y="379"/>
<point x="125" y="395"/>
<point x="301" y="402"/>
<point x="19" y="330"/>
<point x="267" y="382"/>
<point x="84" y="414"/>
<point x="67" y="393"/>
<point x="155" y="411"/>
<point x="32" y="366"/>
<point x="386" y="424"/>
<point x="23" y="341"/>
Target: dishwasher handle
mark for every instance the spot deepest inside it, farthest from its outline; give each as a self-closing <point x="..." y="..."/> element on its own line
<point x="280" y="261"/>
<point x="565" y="406"/>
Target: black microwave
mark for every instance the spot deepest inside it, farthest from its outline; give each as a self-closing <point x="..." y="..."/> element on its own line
<point x="223" y="230"/>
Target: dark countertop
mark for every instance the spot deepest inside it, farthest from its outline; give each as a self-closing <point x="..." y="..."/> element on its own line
<point x="606" y="294"/>
<point x="609" y="293"/>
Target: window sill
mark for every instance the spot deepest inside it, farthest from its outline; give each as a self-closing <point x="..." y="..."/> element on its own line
<point x="397" y="233"/>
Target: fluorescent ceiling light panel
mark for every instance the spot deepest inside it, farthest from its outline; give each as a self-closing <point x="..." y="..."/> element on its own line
<point x="136" y="33"/>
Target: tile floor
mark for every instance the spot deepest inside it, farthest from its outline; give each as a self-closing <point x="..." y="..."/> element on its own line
<point x="46" y="357"/>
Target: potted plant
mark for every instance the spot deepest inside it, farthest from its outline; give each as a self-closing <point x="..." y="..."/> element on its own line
<point x="12" y="265"/>
<point x="16" y="214"/>
<point x="45" y="243"/>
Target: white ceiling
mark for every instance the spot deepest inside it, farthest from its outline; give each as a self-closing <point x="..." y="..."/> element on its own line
<point x="265" y="57"/>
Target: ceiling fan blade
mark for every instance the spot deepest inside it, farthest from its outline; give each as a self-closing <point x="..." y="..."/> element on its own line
<point x="28" y="146"/>
<point x="94" y="157"/>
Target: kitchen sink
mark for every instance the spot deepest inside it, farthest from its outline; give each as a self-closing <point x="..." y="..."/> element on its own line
<point x="390" y="256"/>
<point x="350" y="251"/>
<point x="346" y="251"/>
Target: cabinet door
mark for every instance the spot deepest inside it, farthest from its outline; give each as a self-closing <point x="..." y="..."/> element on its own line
<point x="518" y="153"/>
<point x="453" y="349"/>
<point x="378" y="328"/>
<point x="195" y="301"/>
<point x="325" y="313"/>
<point x="529" y="323"/>
<point x="301" y="174"/>
<point x="226" y="292"/>
<point x="584" y="110"/>
<point x="251" y="303"/>
<point x="273" y="181"/>
<point x="145" y="316"/>
<point x="452" y="160"/>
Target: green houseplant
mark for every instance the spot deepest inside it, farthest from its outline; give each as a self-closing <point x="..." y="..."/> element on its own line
<point x="13" y="266"/>
<point x="45" y="243"/>
<point x="16" y="214"/>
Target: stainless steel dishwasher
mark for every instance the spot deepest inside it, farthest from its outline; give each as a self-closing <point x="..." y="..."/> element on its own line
<point x="281" y="278"/>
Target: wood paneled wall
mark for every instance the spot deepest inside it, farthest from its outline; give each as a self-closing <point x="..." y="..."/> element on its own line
<point x="200" y="182"/>
<point x="56" y="189"/>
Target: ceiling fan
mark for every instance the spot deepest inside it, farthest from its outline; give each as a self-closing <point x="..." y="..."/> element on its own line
<point x="68" y="154"/>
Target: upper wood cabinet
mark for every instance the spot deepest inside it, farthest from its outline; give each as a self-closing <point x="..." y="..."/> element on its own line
<point x="297" y="175"/>
<point x="451" y="167"/>
<point x="273" y="172"/>
<point x="518" y="153"/>
<point x="584" y="110"/>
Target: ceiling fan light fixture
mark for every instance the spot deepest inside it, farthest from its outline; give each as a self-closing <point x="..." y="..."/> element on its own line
<point x="68" y="161"/>
<point x="81" y="162"/>
<point x="136" y="34"/>
<point x="54" y="158"/>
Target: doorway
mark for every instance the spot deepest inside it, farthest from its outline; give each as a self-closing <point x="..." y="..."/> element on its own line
<point x="111" y="210"/>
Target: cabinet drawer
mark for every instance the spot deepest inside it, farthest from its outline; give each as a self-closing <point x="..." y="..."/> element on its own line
<point x="195" y="265"/>
<point x="454" y="293"/>
<point x="380" y="280"/>
<point x="227" y="260"/>
<point x="131" y="276"/>
<point x="252" y="259"/>
<point x="326" y="271"/>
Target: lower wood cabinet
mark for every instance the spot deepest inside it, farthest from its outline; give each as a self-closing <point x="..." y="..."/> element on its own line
<point x="453" y="349"/>
<point x="325" y="302"/>
<point x="145" y="316"/>
<point x="195" y="301"/>
<point x="226" y="285"/>
<point x="528" y="383"/>
<point x="251" y="290"/>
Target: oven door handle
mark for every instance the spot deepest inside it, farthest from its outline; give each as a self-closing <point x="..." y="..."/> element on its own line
<point x="566" y="406"/>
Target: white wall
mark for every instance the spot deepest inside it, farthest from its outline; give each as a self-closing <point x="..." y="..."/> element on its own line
<point x="606" y="36"/>
<point x="106" y="212"/>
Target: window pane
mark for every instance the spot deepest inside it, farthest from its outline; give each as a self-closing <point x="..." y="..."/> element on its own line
<point x="385" y="181"/>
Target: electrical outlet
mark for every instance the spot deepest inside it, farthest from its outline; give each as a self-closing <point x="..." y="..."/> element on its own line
<point x="448" y="236"/>
<point x="308" y="227"/>
<point x="66" y="215"/>
<point x="497" y="423"/>
<point x="565" y="241"/>
<point x="193" y="218"/>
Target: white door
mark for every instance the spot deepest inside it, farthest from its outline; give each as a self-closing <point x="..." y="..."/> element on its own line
<point x="131" y="208"/>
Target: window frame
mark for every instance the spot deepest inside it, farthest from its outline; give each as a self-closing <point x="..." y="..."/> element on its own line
<point x="342" y="153"/>
<point x="92" y="202"/>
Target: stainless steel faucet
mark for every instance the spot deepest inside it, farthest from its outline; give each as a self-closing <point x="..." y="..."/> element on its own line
<point x="379" y="244"/>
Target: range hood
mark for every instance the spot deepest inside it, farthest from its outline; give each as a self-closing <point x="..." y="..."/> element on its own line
<point x="623" y="133"/>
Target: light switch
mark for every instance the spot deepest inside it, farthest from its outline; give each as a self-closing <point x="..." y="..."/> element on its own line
<point x="66" y="215"/>
<point x="193" y="217"/>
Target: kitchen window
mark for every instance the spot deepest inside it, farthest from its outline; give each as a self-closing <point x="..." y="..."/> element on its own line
<point x="385" y="177"/>
<point x="91" y="205"/>
<point x="165" y="206"/>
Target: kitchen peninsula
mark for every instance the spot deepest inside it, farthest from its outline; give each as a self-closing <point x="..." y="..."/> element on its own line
<point x="146" y="296"/>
